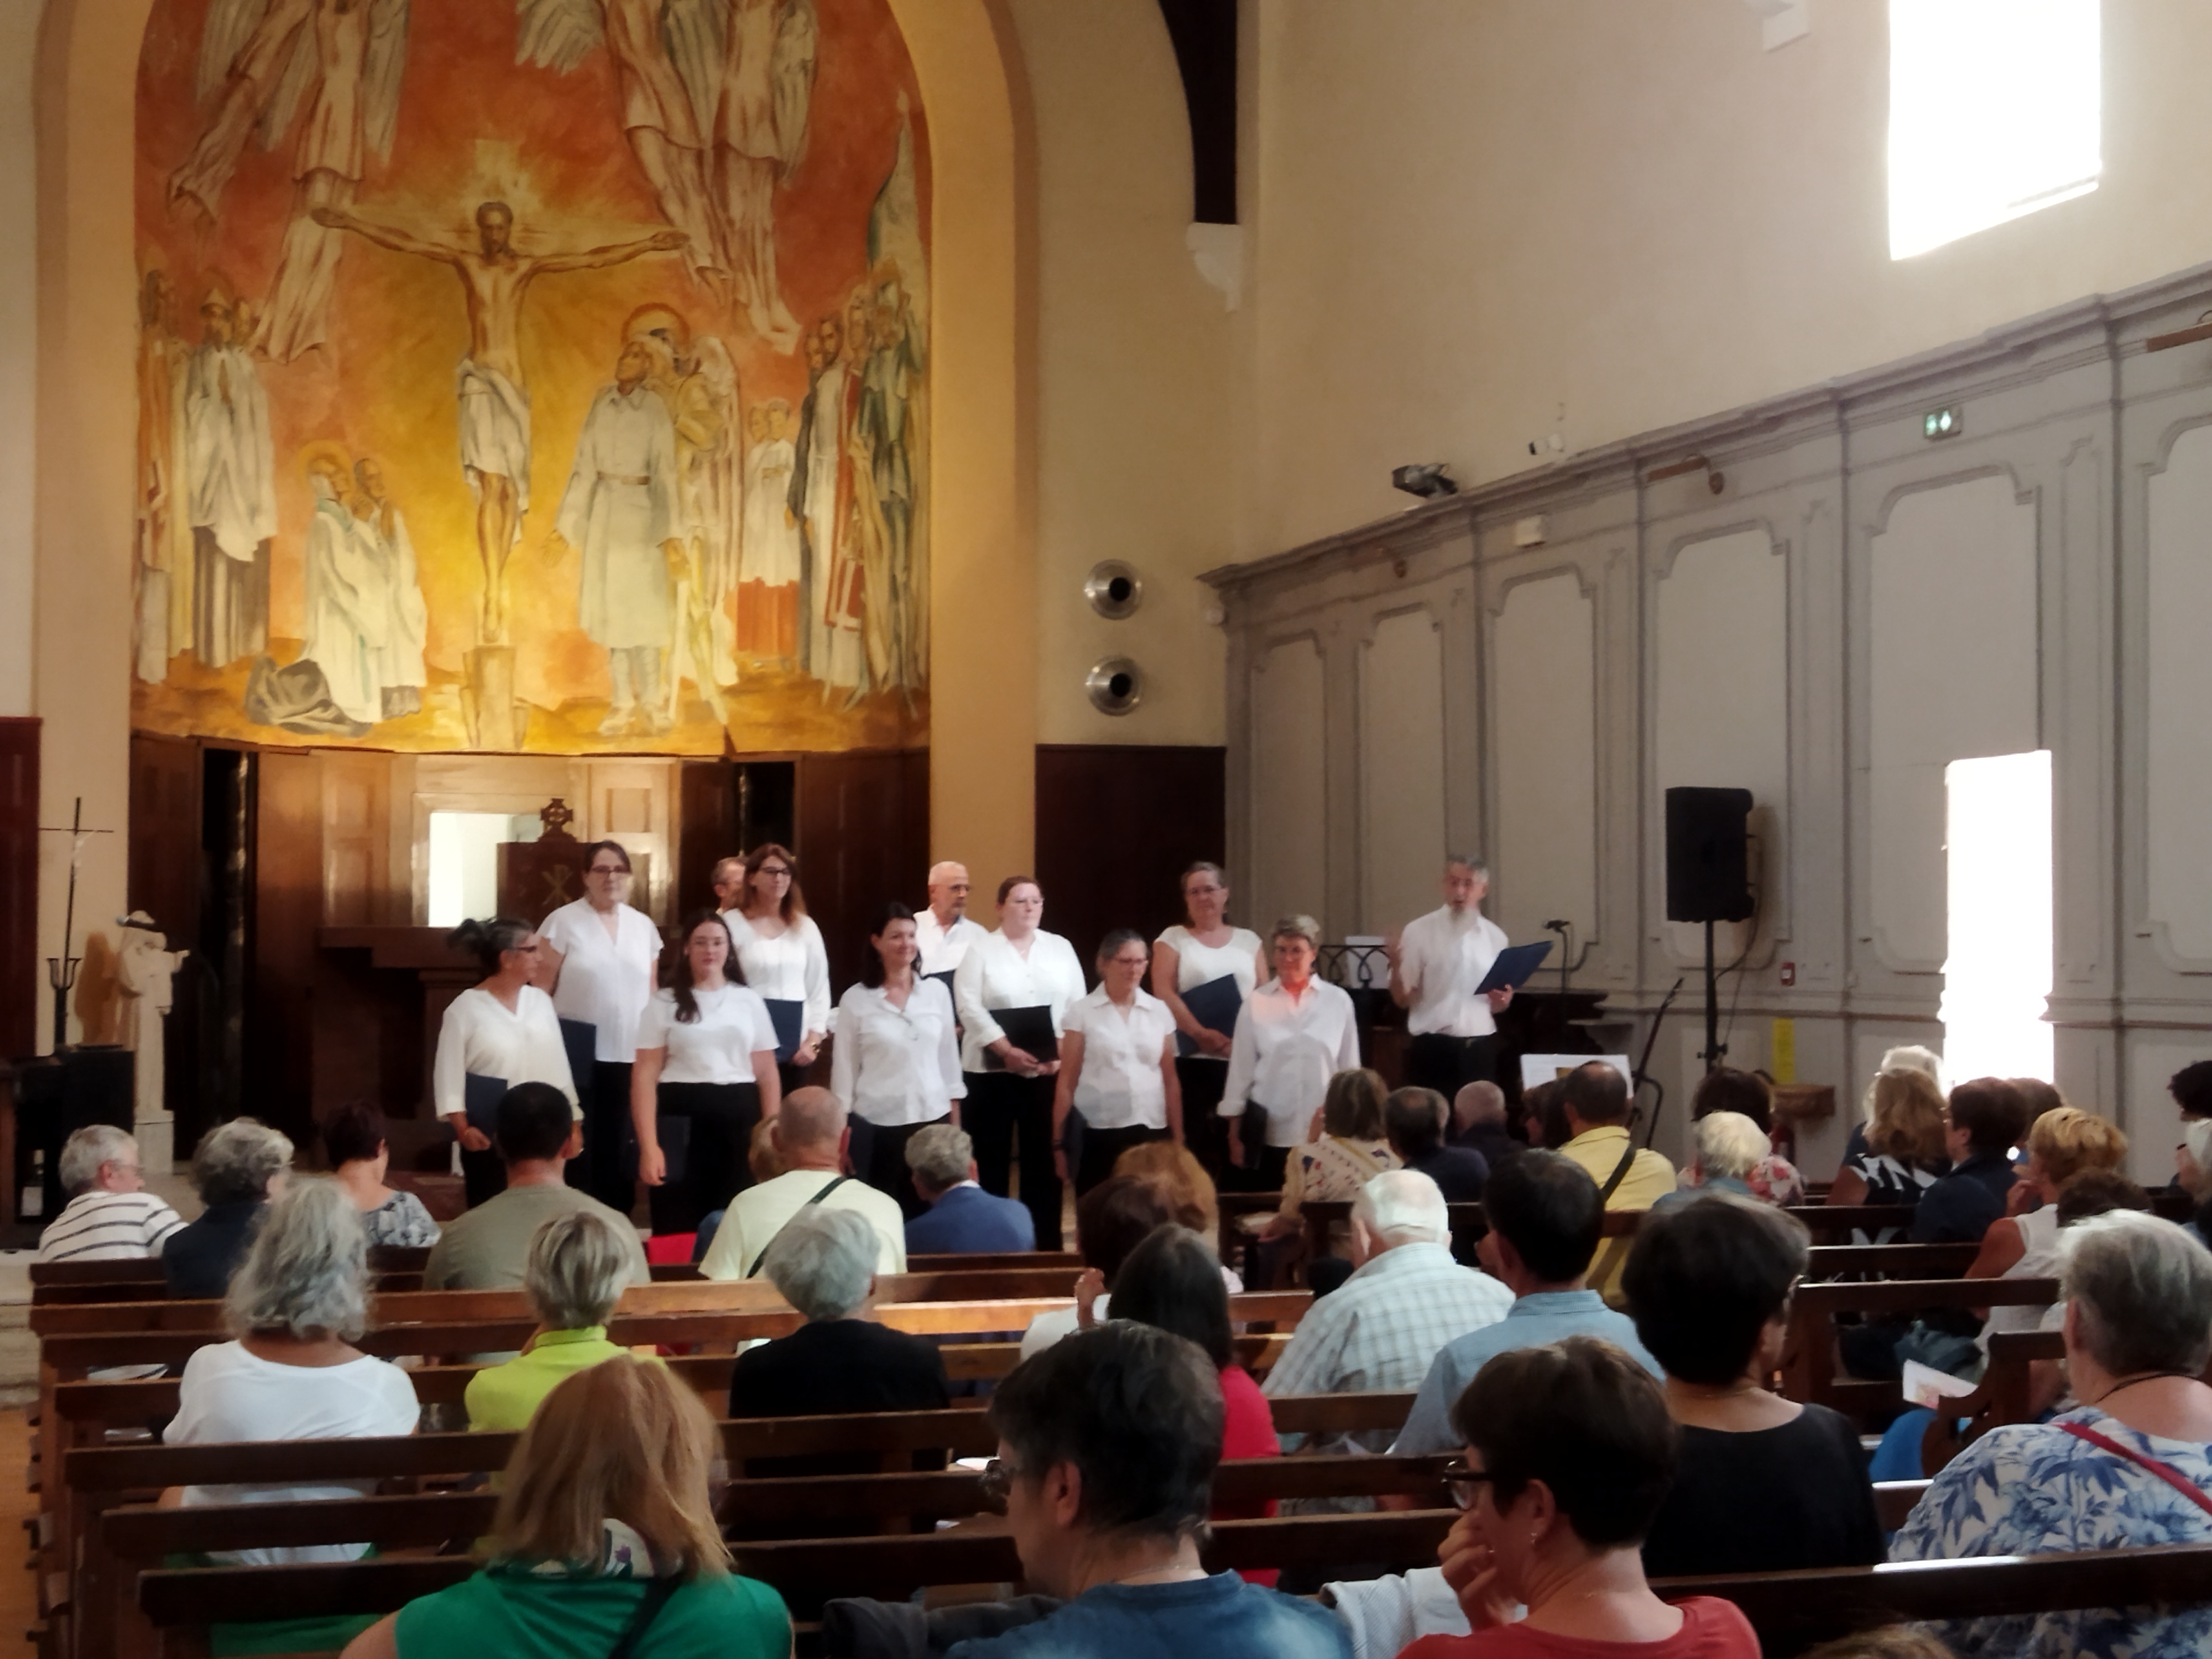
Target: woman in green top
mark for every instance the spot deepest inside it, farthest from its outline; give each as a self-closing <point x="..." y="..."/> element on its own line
<point x="605" y="1542"/>
<point x="577" y="1266"/>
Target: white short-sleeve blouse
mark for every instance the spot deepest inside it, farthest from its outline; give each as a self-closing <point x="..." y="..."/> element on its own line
<point x="604" y="980"/>
<point x="716" y="1048"/>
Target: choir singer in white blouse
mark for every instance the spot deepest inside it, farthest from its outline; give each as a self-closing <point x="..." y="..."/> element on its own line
<point x="1183" y="958"/>
<point x="896" y="1063"/>
<point x="706" y="1054"/>
<point x="1010" y="1090"/>
<point x="503" y="1028"/>
<point x="780" y="952"/>
<point x="1436" y="961"/>
<point x="1293" y="1034"/>
<point x="942" y="929"/>
<point x="601" y="961"/>
<point x="1117" y="1086"/>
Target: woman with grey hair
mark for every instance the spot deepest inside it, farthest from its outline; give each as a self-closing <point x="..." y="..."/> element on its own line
<point x="824" y="1262"/>
<point x="2131" y="1465"/>
<point x="299" y="1300"/>
<point x="1293" y="1034"/>
<point x="578" y="1267"/>
<point x="239" y="1166"/>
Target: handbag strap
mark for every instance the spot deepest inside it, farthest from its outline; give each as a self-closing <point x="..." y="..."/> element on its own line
<point x="753" y="1270"/>
<point x="2165" y="1471"/>
<point x="1620" y="1172"/>
<point x="656" y="1597"/>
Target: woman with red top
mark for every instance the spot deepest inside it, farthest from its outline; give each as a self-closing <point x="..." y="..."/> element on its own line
<point x="1569" y="1450"/>
<point x="1172" y="1281"/>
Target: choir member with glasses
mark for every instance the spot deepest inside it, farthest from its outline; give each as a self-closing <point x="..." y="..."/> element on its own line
<point x="1205" y="949"/>
<point x="780" y="954"/>
<point x="1117" y="1086"/>
<point x="1293" y="1034"/>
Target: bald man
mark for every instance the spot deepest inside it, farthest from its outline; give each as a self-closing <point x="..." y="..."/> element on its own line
<point x="943" y="928"/>
<point x="811" y="1138"/>
<point x="729" y="881"/>
<point x="1479" y="1123"/>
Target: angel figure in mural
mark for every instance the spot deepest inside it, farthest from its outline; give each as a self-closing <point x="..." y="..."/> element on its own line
<point x="385" y="543"/>
<point x="494" y="403"/>
<point x="261" y="60"/>
<point x="230" y="478"/>
<point x="348" y="597"/>
<point x="621" y="511"/>
<point x="697" y="384"/>
<point x="163" y="568"/>
<point x="662" y="50"/>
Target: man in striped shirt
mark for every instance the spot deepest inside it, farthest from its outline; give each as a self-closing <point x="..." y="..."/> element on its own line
<point x="110" y="1215"/>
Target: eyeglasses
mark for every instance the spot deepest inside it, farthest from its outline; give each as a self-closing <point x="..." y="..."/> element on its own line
<point x="1462" y="1483"/>
<point x="997" y="1479"/>
<point x="607" y="870"/>
<point x="773" y="870"/>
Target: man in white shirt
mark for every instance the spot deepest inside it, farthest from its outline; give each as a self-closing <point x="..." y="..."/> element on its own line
<point x="942" y="929"/>
<point x="811" y="1135"/>
<point x="110" y="1215"/>
<point x="729" y="883"/>
<point x="1435" y="962"/>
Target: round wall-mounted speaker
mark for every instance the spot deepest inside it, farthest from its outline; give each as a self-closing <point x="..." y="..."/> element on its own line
<point x="1114" y="589"/>
<point x="1116" y="685"/>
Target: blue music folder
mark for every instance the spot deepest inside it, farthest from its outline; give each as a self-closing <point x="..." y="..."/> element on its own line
<point x="1515" y="963"/>
<point x="789" y="1018"/>
<point x="1214" y="1005"/>
<point x="480" y="1098"/>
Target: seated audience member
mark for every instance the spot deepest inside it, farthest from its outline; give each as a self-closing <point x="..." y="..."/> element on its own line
<point x="1764" y="1484"/>
<point x="353" y="1140"/>
<point x="578" y="1267"/>
<point x="2024" y="1244"/>
<point x="606" y="1526"/>
<point x="536" y="1133"/>
<point x="238" y="1168"/>
<point x="1111" y="1220"/>
<point x="824" y="1262"/>
<point x="1406" y="1299"/>
<point x="1343" y="1150"/>
<point x="1729" y="1147"/>
<point x="962" y="1219"/>
<point x="1172" y="1281"/>
<point x="1107" y="1447"/>
<point x="295" y="1306"/>
<point x="1415" y="1120"/>
<point x="1890" y="1642"/>
<point x="1479" y="1123"/>
<point x="1773" y="1179"/>
<point x="1570" y="1451"/>
<point x="1174" y="1172"/>
<point x="811" y="1135"/>
<point x="2128" y="1467"/>
<point x="110" y="1216"/>
<point x="1897" y="1153"/>
<point x="1594" y="1098"/>
<point x="2192" y="1089"/>
<point x="1545" y="1225"/>
<point x="1984" y="1121"/>
<point x="2192" y="1173"/>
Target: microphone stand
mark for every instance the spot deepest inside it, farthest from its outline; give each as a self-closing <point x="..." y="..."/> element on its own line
<point x="1642" y="1072"/>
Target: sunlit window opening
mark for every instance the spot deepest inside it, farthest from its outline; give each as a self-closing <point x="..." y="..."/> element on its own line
<point x="464" y="861"/>
<point x="1993" y="113"/>
<point x="1997" y="975"/>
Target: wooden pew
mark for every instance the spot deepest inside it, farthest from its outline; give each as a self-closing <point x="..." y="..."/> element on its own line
<point x="1828" y="1262"/>
<point x="1893" y="1501"/>
<point x="2004" y="1395"/>
<point x="1809" y="1365"/>
<point x="129" y="1278"/>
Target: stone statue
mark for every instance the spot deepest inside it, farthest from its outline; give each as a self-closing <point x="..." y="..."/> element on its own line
<point x="145" y="973"/>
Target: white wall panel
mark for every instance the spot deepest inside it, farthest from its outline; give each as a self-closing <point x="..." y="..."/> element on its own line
<point x="1401" y="770"/>
<point x="2178" y="779"/>
<point x="1953" y="675"/>
<point x="1543" y="678"/>
<point x="1289" y="857"/>
<point x="1722" y="697"/>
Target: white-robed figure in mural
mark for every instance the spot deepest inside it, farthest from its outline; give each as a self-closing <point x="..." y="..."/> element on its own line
<point x="349" y="601"/>
<point x="621" y="511"/>
<point x="772" y="552"/>
<point x="829" y="651"/>
<point x="382" y="532"/>
<point x="230" y="475"/>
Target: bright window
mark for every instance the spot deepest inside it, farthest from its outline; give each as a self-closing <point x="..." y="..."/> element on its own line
<point x="1996" y="973"/>
<point x="1993" y="113"/>
<point x="464" y="862"/>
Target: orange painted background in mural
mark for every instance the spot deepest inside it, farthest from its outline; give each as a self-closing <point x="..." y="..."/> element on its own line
<point x="791" y="197"/>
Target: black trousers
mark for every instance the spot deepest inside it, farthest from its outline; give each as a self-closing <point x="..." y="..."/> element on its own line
<point x="1448" y="1064"/>
<point x="1005" y="1111"/>
<point x="1098" y="1148"/>
<point x="705" y="1130"/>
<point x="793" y="1076"/>
<point x="608" y="1168"/>
<point x="878" y="1156"/>
<point x="483" y="1176"/>
<point x="1203" y="1131"/>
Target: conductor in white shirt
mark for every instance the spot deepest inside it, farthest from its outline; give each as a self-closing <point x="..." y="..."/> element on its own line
<point x="942" y="930"/>
<point x="600" y="957"/>
<point x="1435" y="962"/>
<point x="1010" y="1090"/>
<point x="896" y="1063"/>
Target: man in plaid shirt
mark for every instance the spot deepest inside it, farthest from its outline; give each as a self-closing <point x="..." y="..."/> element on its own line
<point x="1405" y="1298"/>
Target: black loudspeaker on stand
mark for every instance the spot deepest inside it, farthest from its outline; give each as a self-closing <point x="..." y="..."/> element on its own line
<point x="1707" y="840"/>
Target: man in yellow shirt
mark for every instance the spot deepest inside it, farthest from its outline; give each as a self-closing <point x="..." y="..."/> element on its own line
<point x="1631" y="1178"/>
<point x="577" y="1266"/>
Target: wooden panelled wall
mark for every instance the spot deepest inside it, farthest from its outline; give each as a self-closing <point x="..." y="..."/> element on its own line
<point x="1817" y="603"/>
<point x="1115" y="828"/>
<point x="19" y="886"/>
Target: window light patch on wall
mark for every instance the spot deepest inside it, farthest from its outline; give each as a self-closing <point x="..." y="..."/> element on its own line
<point x="1994" y="112"/>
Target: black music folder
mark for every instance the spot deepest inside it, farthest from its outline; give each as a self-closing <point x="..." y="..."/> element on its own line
<point x="1515" y="963"/>
<point x="480" y="1098"/>
<point x="789" y="1018"/>
<point x="1028" y="1030"/>
<point x="1214" y="1005"/>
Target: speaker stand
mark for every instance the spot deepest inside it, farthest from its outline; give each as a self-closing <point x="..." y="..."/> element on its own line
<point x="1713" y="1049"/>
